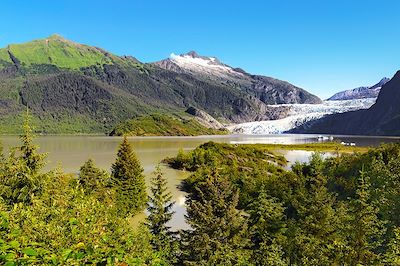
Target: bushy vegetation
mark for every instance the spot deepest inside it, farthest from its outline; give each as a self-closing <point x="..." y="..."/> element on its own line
<point x="52" y="218"/>
<point x="339" y="211"/>
<point x="319" y="147"/>
<point x="163" y="125"/>
<point x="243" y="208"/>
<point x="222" y="154"/>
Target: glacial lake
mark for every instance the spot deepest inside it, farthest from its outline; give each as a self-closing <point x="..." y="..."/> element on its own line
<point x="70" y="152"/>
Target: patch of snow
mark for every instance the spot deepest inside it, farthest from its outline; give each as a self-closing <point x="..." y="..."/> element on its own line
<point x="299" y="114"/>
<point x="204" y="65"/>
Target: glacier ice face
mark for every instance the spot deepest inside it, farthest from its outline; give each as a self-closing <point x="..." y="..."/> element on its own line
<point x="299" y="114"/>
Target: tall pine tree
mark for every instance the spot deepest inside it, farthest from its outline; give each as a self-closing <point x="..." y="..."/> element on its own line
<point x="159" y="207"/>
<point x="218" y="234"/>
<point x="92" y="178"/>
<point x="96" y="181"/>
<point x="267" y="227"/>
<point x="129" y="181"/>
<point x="313" y="230"/>
<point x="366" y="229"/>
<point x="33" y="160"/>
<point x="20" y="176"/>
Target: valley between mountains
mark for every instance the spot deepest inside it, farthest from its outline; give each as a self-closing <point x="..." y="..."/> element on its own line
<point x="71" y="88"/>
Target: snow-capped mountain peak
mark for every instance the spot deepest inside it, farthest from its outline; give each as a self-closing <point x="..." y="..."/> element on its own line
<point x="206" y="66"/>
<point x="193" y="60"/>
<point x="360" y="92"/>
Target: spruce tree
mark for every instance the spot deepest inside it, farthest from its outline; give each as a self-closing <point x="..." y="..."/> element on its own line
<point x="267" y="226"/>
<point x="128" y="180"/>
<point x="366" y="229"/>
<point x="159" y="207"/>
<point x="218" y="234"/>
<point x="33" y="160"/>
<point x="20" y="176"/>
<point x="313" y="230"/>
<point x="92" y="178"/>
<point x="392" y="255"/>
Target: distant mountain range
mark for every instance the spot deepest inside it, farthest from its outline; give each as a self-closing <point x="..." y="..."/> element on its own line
<point x="76" y="88"/>
<point x="382" y="118"/>
<point x="360" y="92"/>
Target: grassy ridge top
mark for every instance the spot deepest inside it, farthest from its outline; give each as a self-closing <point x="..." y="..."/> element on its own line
<point x="56" y="50"/>
<point x="4" y="56"/>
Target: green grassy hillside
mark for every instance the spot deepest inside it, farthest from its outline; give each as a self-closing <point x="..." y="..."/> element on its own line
<point x="57" y="51"/>
<point x="163" y="125"/>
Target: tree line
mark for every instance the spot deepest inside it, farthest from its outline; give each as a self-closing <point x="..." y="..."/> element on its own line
<point x="243" y="208"/>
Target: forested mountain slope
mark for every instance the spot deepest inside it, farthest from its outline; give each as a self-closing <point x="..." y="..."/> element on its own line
<point x="75" y="88"/>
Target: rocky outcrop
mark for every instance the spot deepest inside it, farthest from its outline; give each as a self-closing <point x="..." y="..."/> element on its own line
<point x="204" y="118"/>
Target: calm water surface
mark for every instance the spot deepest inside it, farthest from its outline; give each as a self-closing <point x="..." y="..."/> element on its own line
<point x="70" y="152"/>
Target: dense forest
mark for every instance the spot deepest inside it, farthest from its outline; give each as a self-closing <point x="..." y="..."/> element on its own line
<point x="243" y="208"/>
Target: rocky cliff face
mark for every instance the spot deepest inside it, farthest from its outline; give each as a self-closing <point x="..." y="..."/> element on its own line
<point x="204" y="118"/>
<point x="383" y="118"/>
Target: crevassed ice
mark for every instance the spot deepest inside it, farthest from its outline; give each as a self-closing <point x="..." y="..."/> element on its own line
<point x="299" y="114"/>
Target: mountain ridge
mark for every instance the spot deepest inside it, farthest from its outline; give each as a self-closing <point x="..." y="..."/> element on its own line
<point x="65" y="83"/>
<point x="268" y="90"/>
<point x="360" y="92"/>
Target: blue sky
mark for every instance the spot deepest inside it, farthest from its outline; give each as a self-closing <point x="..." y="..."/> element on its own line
<point x="323" y="46"/>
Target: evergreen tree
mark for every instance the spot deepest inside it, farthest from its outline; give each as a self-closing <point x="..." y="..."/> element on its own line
<point x="159" y="207"/>
<point x="313" y="230"/>
<point x="218" y="234"/>
<point x="366" y="230"/>
<point x="267" y="225"/>
<point x="128" y="180"/>
<point x="392" y="256"/>
<point x="29" y="155"/>
<point x="20" y="175"/>
<point x="96" y="181"/>
<point x="92" y="178"/>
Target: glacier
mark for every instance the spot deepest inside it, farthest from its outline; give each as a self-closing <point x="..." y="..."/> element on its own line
<point x="299" y="114"/>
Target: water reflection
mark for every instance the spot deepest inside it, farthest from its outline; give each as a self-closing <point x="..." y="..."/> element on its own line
<point x="300" y="156"/>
